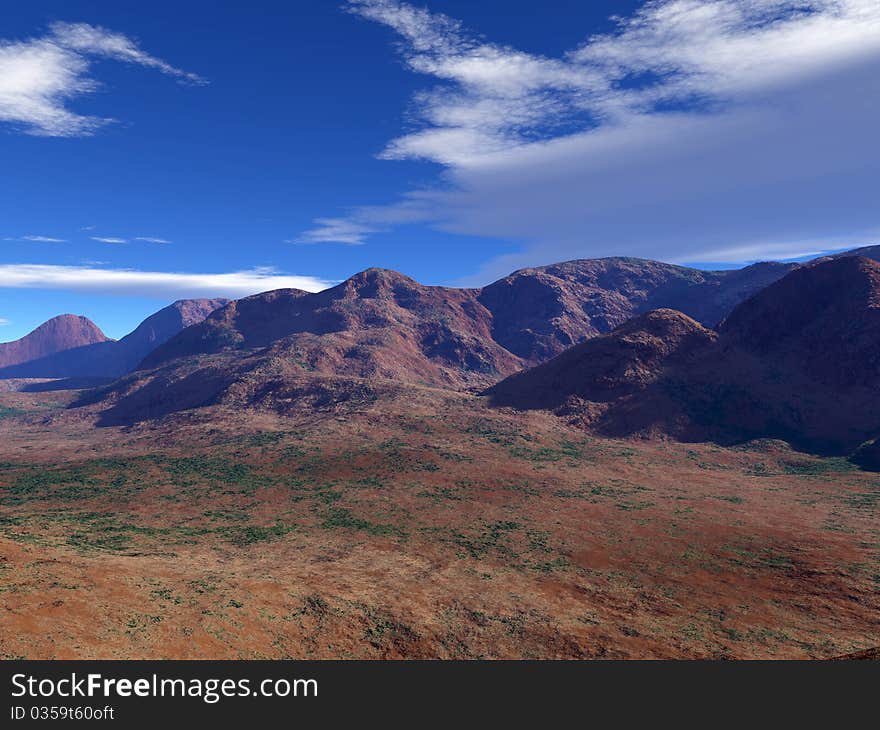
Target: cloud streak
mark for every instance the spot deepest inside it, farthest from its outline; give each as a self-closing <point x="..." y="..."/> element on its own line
<point x="40" y="76"/>
<point x="153" y="284"/>
<point x="700" y="130"/>
<point x="42" y="239"/>
<point x="336" y="230"/>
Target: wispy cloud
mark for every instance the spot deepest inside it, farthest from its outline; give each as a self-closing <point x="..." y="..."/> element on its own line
<point x="335" y="230"/>
<point x="364" y="221"/>
<point x="150" y="239"/>
<point x="155" y="284"/>
<point x="39" y="239"/>
<point x="109" y="239"/>
<point x="40" y="76"/>
<point x="4" y="322"/>
<point x="693" y="130"/>
<point x="93" y="40"/>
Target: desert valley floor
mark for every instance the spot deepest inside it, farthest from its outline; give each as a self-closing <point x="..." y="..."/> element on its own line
<point x="425" y="525"/>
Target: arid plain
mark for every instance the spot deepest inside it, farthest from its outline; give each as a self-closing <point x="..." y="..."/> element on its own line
<point x="420" y="524"/>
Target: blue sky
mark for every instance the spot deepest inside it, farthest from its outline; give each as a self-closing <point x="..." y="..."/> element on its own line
<point x="161" y="150"/>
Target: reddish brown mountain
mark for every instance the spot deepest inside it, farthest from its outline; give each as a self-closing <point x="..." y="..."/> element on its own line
<point x="376" y="324"/>
<point x="609" y="367"/>
<point x="539" y="312"/>
<point x="157" y="329"/>
<point x="59" y="334"/>
<point x="288" y="349"/>
<point x="90" y="354"/>
<point x="381" y="325"/>
<point x="822" y="319"/>
<point x="799" y="361"/>
<point x="533" y="314"/>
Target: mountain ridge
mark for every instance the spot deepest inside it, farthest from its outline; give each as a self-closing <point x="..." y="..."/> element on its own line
<point x="101" y="357"/>
<point x="799" y="361"/>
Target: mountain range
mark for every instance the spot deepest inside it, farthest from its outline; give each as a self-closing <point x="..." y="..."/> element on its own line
<point x="290" y="349"/>
<point x="620" y="346"/>
<point x="519" y="320"/>
<point x="70" y="346"/>
<point x="798" y="361"/>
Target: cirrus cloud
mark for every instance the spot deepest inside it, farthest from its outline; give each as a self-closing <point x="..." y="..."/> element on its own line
<point x="154" y="284"/>
<point x="38" y="239"/>
<point x="109" y="239"/>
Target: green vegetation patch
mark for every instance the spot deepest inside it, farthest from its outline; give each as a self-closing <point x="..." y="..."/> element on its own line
<point x="343" y="518"/>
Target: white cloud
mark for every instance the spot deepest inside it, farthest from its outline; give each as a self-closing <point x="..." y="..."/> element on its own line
<point x="695" y="129"/>
<point x="92" y="40"/>
<point x="4" y="322"/>
<point x="365" y="221"/>
<point x="335" y="230"/>
<point x="42" y="239"/>
<point x="153" y="284"/>
<point x="38" y="77"/>
<point x="150" y="239"/>
<point x="104" y="239"/>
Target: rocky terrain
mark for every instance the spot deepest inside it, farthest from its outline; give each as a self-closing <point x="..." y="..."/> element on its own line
<point x="799" y="361"/>
<point x="381" y="323"/>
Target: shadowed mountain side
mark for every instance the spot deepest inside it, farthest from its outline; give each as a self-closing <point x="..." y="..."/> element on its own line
<point x="539" y="312"/>
<point x="59" y="334"/>
<point x="799" y="362"/>
<point x="96" y="360"/>
<point x="157" y="329"/>
<point x="822" y="319"/>
<point x="254" y="321"/>
<point x="108" y="358"/>
<point x="48" y="386"/>
<point x="608" y="367"/>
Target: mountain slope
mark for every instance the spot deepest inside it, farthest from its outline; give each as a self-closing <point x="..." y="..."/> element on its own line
<point x="287" y="349"/>
<point x="272" y="349"/>
<point x="799" y="361"/>
<point x="59" y="334"/>
<point x="157" y="329"/>
<point x="539" y="312"/>
<point x="93" y="355"/>
<point x="823" y="319"/>
<point x="608" y="367"/>
<point x="378" y="323"/>
<point x="533" y="314"/>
